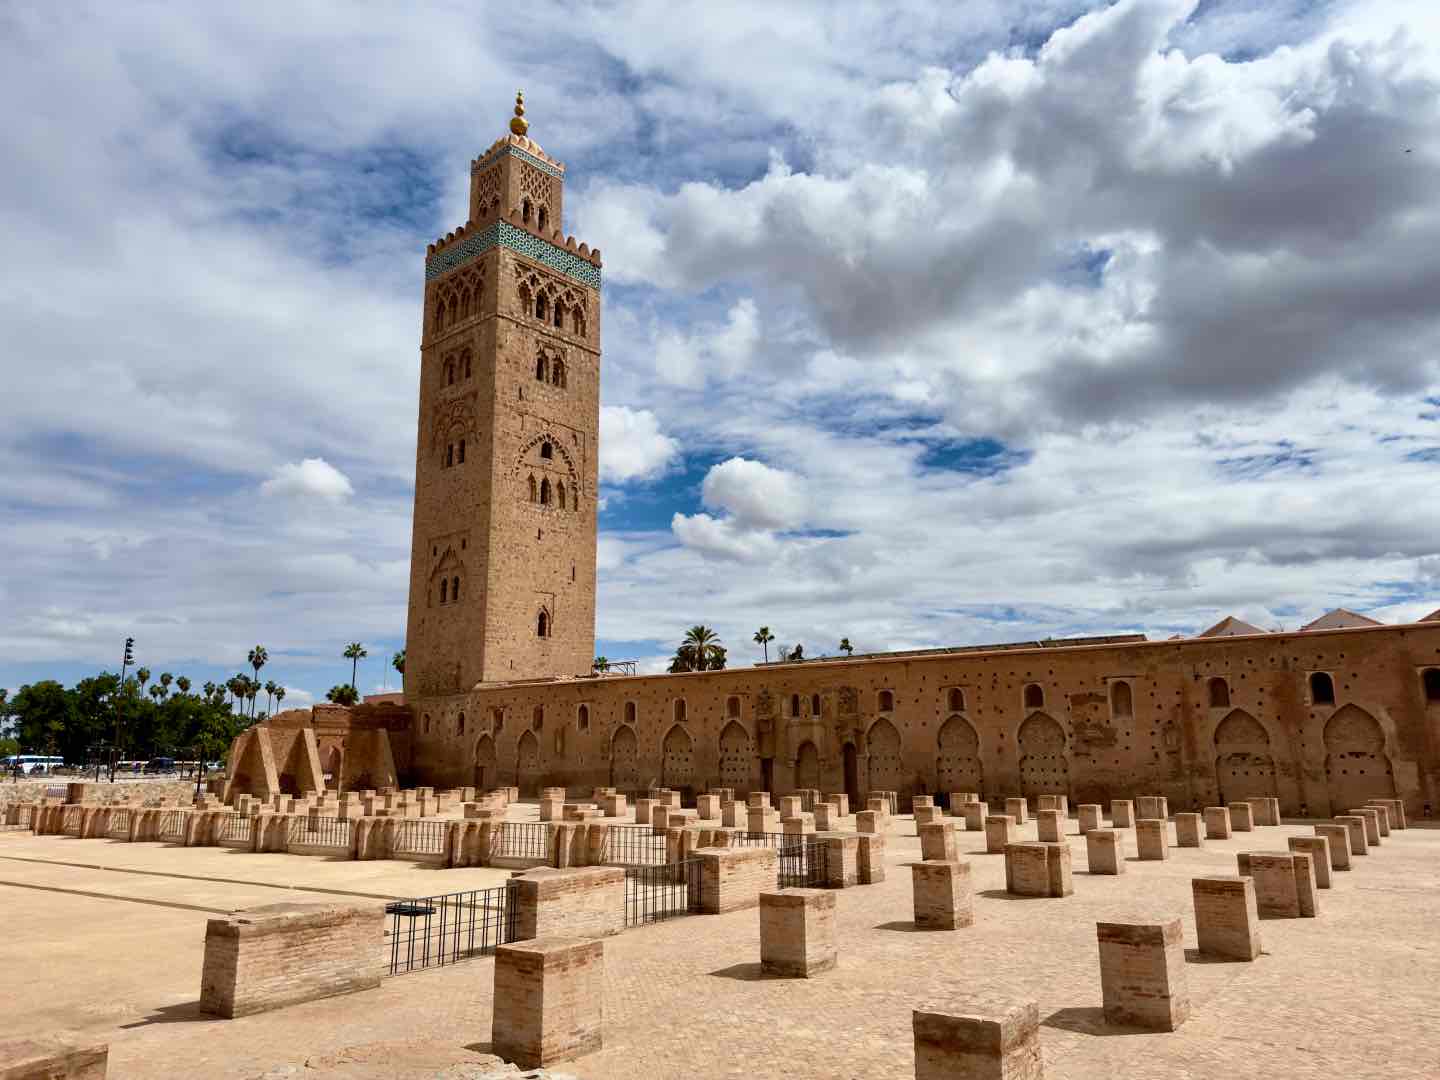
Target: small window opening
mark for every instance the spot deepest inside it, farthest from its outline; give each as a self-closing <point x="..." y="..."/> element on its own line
<point x="1322" y="689"/>
<point x="887" y="701"/>
<point x="1034" y="696"/>
<point x="1219" y="694"/>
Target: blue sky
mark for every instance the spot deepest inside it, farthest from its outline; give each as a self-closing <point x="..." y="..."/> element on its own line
<point x="924" y="323"/>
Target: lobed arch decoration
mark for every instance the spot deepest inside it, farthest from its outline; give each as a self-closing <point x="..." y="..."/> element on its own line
<point x="445" y="578"/>
<point x="887" y="770"/>
<point x="1357" y="768"/>
<point x="677" y="764"/>
<point x="625" y="759"/>
<point x="957" y="760"/>
<point x="807" y="766"/>
<point x="736" y="753"/>
<point x="533" y="462"/>
<point x="453" y="420"/>
<point x="1044" y="763"/>
<point x="527" y="764"/>
<point x="456" y="299"/>
<point x="1244" y="764"/>
<point x="486" y="774"/>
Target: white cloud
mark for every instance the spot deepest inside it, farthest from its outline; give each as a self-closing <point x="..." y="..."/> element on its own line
<point x="632" y="446"/>
<point x="724" y="538"/>
<point x="311" y="478"/>
<point x="756" y="494"/>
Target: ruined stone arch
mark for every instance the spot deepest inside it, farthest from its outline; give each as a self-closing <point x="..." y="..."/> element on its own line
<point x="737" y="752"/>
<point x="957" y="759"/>
<point x="1044" y="763"/>
<point x="887" y="771"/>
<point x="1244" y="764"/>
<point x="527" y="764"/>
<point x="625" y="759"/>
<point x="807" y="765"/>
<point x="677" y="764"/>
<point x="1357" y="767"/>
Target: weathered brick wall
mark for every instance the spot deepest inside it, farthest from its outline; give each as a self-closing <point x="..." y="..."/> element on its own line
<point x="733" y="878"/>
<point x="575" y="902"/>
<point x="52" y="1058"/>
<point x="283" y="954"/>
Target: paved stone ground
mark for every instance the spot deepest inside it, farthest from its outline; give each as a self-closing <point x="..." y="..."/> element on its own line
<point x="1350" y="994"/>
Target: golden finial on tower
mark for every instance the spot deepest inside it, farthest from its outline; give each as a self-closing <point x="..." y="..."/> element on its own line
<point x="518" y="124"/>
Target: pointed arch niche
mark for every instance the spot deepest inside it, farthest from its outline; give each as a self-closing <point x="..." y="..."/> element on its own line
<point x="1357" y="768"/>
<point x="677" y="768"/>
<point x="737" y="753"/>
<point x="625" y="759"/>
<point x="1244" y="765"/>
<point x="887" y="771"/>
<point x="1044" y="763"/>
<point x="957" y="757"/>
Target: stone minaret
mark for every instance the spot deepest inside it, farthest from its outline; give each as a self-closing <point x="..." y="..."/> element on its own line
<point x="502" y="560"/>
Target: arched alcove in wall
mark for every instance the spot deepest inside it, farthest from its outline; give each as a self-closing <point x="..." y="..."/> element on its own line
<point x="486" y="775"/>
<point x="1356" y="766"/>
<point x="625" y="759"/>
<point x="736" y="755"/>
<point x="957" y="757"/>
<point x="1244" y="765"/>
<point x="1044" y="764"/>
<point x="886" y="768"/>
<point x="677" y="768"/>
<point x="334" y="763"/>
<point x="807" y="766"/>
<point x="527" y="764"/>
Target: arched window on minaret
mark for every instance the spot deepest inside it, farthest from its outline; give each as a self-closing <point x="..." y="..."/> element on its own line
<point x="465" y="304"/>
<point x="540" y="219"/>
<point x="547" y="451"/>
<point x="559" y="315"/>
<point x="455" y="588"/>
<point x="533" y="491"/>
<point x="545" y="492"/>
<point x="542" y="307"/>
<point x="439" y="314"/>
<point x="525" y="211"/>
<point x="578" y="319"/>
<point x="460" y="457"/>
<point x="449" y="372"/>
<point x="575" y="502"/>
<point x="467" y="363"/>
<point x="449" y="455"/>
<point x="557" y="372"/>
<point x="560" y="494"/>
<point x="541" y="367"/>
<point x="444" y="590"/>
<point x="542" y="624"/>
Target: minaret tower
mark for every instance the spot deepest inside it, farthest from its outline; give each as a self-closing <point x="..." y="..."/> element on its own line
<point x="502" y="560"/>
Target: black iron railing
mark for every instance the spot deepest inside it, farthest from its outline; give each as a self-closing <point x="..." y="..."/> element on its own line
<point x="665" y="891"/>
<point x="764" y="839"/>
<point x="172" y="826"/>
<point x="417" y="836"/>
<point x="239" y="828"/>
<point x="803" y="866"/>
<point x="320" y="831"/>
<point x="431" y="931"/>
<point x="634" y="845"/>
<point x="522" y="840"/>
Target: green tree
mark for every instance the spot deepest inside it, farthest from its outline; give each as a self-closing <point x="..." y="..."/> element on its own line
<point x="602" y="663"/>
<point x="183" y="684"/>
<point x="45" y="714"/>
<point x="846" y="647"/>
<point x="343" y="694"/>
<point x="143" y="674"/>
<point x="700" y="651"/>
<point x="279" y="696"/>
<point x="270" y="688"/>
<point x="398" y="662"/>
<point x="258" y="657"/>
<point x="763" y="637"/>
<point x="355" y="652"/>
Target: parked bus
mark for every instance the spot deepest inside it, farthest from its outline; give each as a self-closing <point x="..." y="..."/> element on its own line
<point x="33" y="763"/>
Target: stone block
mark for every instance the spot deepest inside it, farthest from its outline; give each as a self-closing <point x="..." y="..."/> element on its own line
<point x="1265" y="809"/>
<point x="1318" y="848"/>
<point x="801" y="824"/>
<point x="758" y="800"/>
<point x="614" y="805"/>
<point x="1054" y="802"/>
<point x="732" y="878"/>
<point x="827" y="816"/>
<point x="643" y="807"/>
<point x="1338" y="839"/>
<point x="878" y="804"/>
<point x="660" y="818"/>
<point x="999" y="831"/>
<point x="734" y="814"/>
<point x="1396" y="807"/>
<point x="978" y="1038"/>
<point x="1242" y="817"/>
<point x="1122" y="813"/>
<point x="937" y="841"/>
<point x="1284" y="884"/>
<point x="578" y="901"/>
<point x="867" y="821"/>
<point x="918" y="802"/>
<point x="842" y="801"/>
<point x="842" y="859"/>
<point x="1227" y="920"/>
<point x="1017" y="809"/>
<point x="1217" y="823"/>
<point x="1355" y="824"/>
<point x="707" y="807"/>
<point x="871" y="858"/>
<point x="282" y="954"/>
<point x="943" y="893"/>
<point x="1383" y="817"/>
<point x="797" y="932"/>
<point x="1142" y="974"/>
<point x="762" y="820"/>
<point x="925" y="815"/>
<point x="1105" y="851"/>
<point x="1372" y="823"/>
<point x="549" y="1000"/>
<point x="1048" y="826"/>
<point x="1090" y="817"/>
<point x="1152" y="838"/>
<point x="1152" y="806"/>
<point x="49" y="1057"/>
<point x="791" y="806"/>
<point x="1189" y="831"/>
<point x="1038" y="870"/>
<point x="974" y="814"/>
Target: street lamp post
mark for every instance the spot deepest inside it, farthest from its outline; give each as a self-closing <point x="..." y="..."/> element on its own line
<point x="128" y="659"/>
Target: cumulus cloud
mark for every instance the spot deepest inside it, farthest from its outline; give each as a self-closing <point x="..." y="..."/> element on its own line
<point x="632" y="446"/>
<point x="755" y="493"/>
<point x="311" y="478"/>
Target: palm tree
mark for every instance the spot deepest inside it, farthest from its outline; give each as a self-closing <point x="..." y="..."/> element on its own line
<point x="342" y="694"/>
<point x="398" y="662"/>
<point x="279" y="695"/>
<point x="165" y="680"/>
<point x="703" y="644"/>
<point x="602" y="663"/>
<point x="158" y="693"/>
<point x="258" y="656"/>
<point x="236" y="685"/>
<point x="209" y="689"/>
<point x="183" y="682"/>
<point x="252" y="691"/>
<point x="763" y="637"/>
<point x="270" y="687"/>
<point x="142" y="674"/>
<point x="846" y="647"/>
<point x="355" y="652"/>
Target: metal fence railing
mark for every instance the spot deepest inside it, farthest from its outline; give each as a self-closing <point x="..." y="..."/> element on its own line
<point x="664" y="891"/>
<point x="634" y="845"/>
<point x="119" y="822"/>
<point x="172" y="826"/>
<point x="803" y="866"/>
<point x="432" y="931"/>
<point x="56" y="791"/>
<point x="72" y="820"/>
<point x="239" y="828"/>
<point x="320" y="831"/>
<point x="522" y="840"/>
<point x="417" y="836"/>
